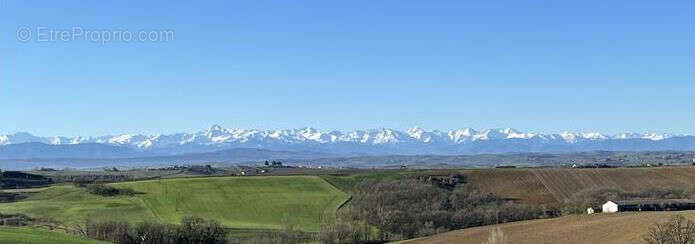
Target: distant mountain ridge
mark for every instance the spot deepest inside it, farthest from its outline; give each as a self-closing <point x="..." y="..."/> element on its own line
<point x="356" y="142"/>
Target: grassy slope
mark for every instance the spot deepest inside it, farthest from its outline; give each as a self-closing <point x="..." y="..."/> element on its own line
<point x="552" y="186"/>
<point x="11" y="235"/>
<point x="237" y="202"/>
<point x="242" y="202"/>
<point x="598" y="228"/>
<point x="71" y="205"/>
<point x="347" y="183"/>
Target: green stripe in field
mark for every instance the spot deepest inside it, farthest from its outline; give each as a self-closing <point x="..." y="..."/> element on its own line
<point x="12" y="235"/>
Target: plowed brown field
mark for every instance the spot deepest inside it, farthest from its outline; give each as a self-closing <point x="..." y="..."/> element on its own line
<point x="577" y="229"/>
<point x="551" y="186"/>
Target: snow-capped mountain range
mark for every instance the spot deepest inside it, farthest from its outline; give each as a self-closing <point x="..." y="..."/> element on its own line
<point x="219" y="135"/>
<point x="373" y="141"/>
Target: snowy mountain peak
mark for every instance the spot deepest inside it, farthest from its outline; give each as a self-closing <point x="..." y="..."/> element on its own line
<point x="508" y="131"/>
<point x="650" y="136"/>
<point x="214" y="131"/>
<point x="4" y="139"/>
<point x="569" y="136"/>
<point x="655" y="136"/>
<point x="215" y="127"/>
<point x="594" y="136"/>
<point x="416" y="132"/>
<point x="461" y="135"/>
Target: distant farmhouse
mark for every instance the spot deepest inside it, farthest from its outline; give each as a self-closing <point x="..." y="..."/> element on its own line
<point x="648" y="205"/>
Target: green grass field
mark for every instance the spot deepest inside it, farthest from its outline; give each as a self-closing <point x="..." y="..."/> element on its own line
<point x="71" y="205"/>
<point x="347" y="183"/>
<point x="12" y="235"/>
<point x="237" y="202"/>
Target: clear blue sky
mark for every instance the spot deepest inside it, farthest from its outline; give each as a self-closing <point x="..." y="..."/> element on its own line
<point x="609" y="66"/>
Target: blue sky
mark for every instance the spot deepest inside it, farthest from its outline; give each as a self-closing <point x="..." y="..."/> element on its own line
<point x="609" y="66"/>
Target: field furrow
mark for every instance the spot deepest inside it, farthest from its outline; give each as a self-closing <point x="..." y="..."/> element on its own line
<point x="552" y="186"/>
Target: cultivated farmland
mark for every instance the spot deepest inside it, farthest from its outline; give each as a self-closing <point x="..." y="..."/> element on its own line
<point x="551" y="186"/>
<point x="237" y="202"/>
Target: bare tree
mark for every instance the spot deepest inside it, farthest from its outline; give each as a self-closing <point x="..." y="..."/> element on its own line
<point x="678" y="230"/>
<point x="496" y="237"/>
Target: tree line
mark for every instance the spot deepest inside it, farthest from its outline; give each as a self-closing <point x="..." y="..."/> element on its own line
<point x="192" y="230"/>
<point x="420" y="206"/>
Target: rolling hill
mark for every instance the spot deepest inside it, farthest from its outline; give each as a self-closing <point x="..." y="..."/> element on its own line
<point x="624" y="228"/>
<point x="237" y="202"/>
<point x="551" y="186"/>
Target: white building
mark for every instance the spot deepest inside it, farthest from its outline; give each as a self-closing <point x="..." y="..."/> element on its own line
<point x="610" y="207"/>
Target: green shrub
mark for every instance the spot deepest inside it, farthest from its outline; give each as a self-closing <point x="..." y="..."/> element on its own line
<point x="15" y="220"/>
<point x="198" y="230"/>
<point x="108" y="191"/>
<point x="110" y="230"/>
<point x="155" y="233"/>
